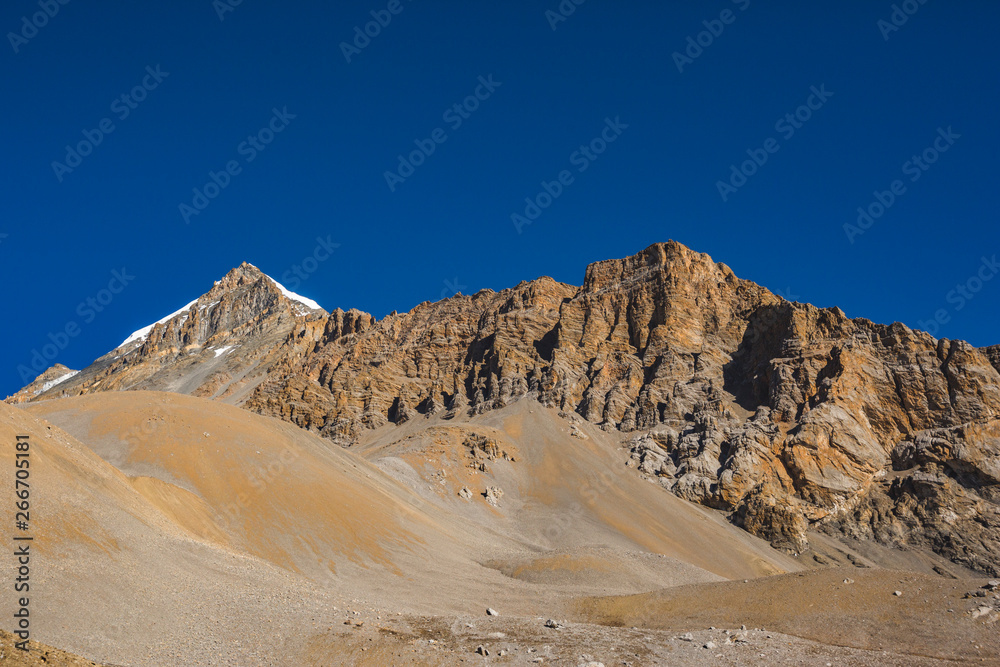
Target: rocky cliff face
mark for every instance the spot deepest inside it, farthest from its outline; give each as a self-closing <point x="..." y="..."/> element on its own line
<point x="788" y="416"/>
<point x="220" y="346"/>
<point x="468" y="352"/>
<point x="993" y="354"/>
<point x="51" y="377"/>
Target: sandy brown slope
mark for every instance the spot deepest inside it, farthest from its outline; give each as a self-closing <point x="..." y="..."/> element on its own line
<point x="328" y="559"/>
<point x="849" y="607"/>
<point x="114" y="579"/>
<point x="579" y="515"/>
<point x="572" y="514"/>
<point x="204" y="500"/>
<point x="245" y="482"/>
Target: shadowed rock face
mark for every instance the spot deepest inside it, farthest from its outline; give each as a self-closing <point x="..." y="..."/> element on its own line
<point x="993" y="354"/>
<point x="468" y="352"/>
<point x="787" y="415"/>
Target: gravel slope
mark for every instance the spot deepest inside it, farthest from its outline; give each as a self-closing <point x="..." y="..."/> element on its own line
<point x="173" y="530"/>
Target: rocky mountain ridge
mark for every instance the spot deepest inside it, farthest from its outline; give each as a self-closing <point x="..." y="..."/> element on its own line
<point x="49" y="378"/>
<point x="790" y="417"/>
<point x="219" y="346"/>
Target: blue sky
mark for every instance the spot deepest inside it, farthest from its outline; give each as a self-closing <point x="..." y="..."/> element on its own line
<point x="272" y="82"/>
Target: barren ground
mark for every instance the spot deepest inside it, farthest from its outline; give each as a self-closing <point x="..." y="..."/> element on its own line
<point x="173" y="530"/>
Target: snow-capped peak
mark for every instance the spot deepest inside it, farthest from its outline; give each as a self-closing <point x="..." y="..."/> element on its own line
<point x="59" y="380"/>
<point x="143" y="332"/>
<point x="308" y="303"/>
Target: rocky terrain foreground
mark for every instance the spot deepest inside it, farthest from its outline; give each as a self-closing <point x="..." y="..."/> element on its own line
<point x="667" y="465"/>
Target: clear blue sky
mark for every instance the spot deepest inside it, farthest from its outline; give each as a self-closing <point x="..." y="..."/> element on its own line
<point x="448" y="225"/>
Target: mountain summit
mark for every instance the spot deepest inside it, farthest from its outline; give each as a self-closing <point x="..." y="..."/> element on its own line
<point x="792" y="418"/>
<point x="219" y="345"/>
<point x="245" y="274"/>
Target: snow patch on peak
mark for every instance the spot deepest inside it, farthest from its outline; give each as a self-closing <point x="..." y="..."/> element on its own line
<point x="59" y="380"/>
<point x="143" y="332"/>
<point x="309" y="303"/>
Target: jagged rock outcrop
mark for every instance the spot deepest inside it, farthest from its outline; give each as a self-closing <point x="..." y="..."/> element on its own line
<point x="465" y="353"/>
<point x="220" y="346"/>
<point x="51" y="377"/>
<point x="993" y="354"/>
<point x="788" y="416"/>
<point x="943" y="492"/>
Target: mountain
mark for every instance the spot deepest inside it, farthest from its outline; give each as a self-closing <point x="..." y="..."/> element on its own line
<point x="52" y="376"/>
<point x="221" y="345"/>
<point x="797" y="422"/>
